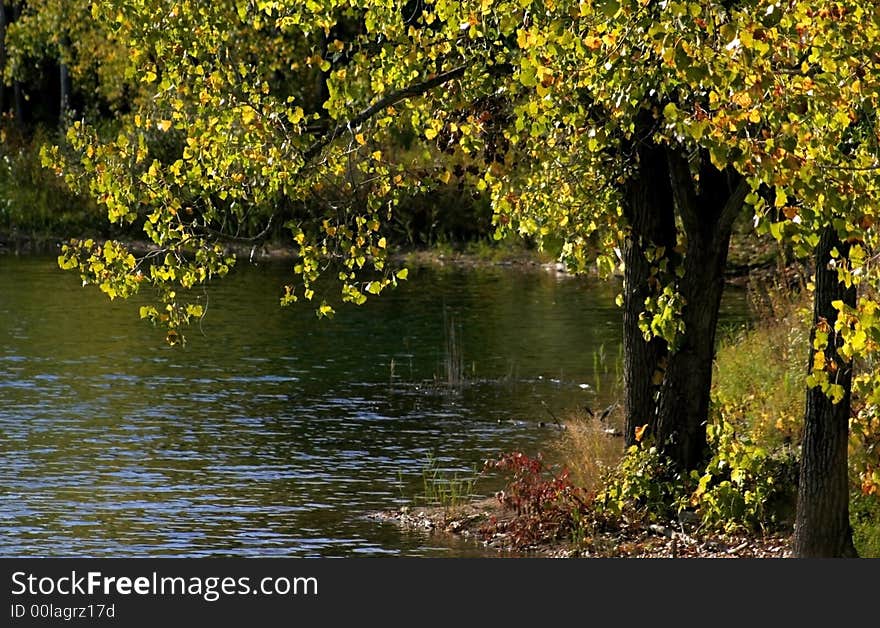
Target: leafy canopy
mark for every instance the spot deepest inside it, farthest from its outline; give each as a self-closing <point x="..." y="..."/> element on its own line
<point x="228" y="131"/>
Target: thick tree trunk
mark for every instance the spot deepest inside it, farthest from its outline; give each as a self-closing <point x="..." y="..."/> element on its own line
<point x="707" y="211"/>
<point x="649" y="209"/>
<point x="683" y="404"/>
<point x="669" y="390"/>
<point x="822" y="527"/>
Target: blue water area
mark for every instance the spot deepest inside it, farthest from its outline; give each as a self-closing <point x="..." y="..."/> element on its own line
<point x="274" y="433"/>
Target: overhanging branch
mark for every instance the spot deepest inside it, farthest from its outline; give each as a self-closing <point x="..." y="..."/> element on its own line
<point x="386" y="101"/>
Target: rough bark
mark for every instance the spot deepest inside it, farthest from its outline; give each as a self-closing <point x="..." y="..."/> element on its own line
<point x="649" y="210"/>
<point x="822" y="526"/>
<point x="683" y="404"/>
<point x="707" y="215"/>
<point x="669" y="391"/>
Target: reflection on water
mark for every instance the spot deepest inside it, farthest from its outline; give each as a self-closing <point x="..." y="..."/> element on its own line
<point x="273" y="433"/>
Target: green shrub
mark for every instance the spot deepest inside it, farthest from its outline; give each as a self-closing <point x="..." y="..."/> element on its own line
<point x="644" y="485"/>
<point x="744" y="486"/>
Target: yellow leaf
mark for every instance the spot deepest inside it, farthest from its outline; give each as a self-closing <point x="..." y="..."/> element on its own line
<point x="248" y="115"/>
<point x="592" y="42"/>
<point x="164" y="125"/>
<point x="742" y="99"/>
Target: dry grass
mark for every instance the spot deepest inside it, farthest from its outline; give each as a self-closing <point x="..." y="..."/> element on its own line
<point x="588" y="448"/>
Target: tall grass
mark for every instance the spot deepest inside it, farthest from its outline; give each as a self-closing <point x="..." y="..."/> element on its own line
<point x="587" y="449"/>
<point x="759" y="389"/>
<point x="758" y="383"/>
<point x="446" y="489"/>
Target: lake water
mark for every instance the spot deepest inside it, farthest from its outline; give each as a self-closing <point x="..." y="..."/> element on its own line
<point x="273" y="433"/>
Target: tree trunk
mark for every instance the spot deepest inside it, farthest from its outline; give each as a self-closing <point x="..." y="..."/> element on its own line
<point x="668" y="389"/>
<point x="649" y="210"/>
<point x="707" y="216"/>
<point x="683" y="405"/>
<point x="822" y="527"/>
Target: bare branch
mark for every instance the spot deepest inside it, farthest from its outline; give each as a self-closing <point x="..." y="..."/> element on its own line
<point x="386" y="101"/>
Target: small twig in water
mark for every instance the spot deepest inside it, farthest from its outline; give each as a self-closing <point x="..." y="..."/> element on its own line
<point x="553" y="416"/>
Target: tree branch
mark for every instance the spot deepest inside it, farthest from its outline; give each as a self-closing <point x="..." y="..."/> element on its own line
<point x="683" y="190"/>
<point x="734" y="204"/>
<point x="386" y="101"/>
<point x="246" y="239"/>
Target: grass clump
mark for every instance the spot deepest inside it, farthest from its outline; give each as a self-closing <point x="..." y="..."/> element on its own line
<point x="447" y="489"/>
<point x="588" y="448"/>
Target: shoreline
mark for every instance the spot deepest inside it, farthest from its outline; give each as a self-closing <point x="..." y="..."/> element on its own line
<point x="274" y="252"/>
<point x="627" y="539"/>
<point x="431" y="257"/>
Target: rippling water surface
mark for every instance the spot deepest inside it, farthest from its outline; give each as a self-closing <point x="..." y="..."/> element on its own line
<point x="273" y="433"/>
